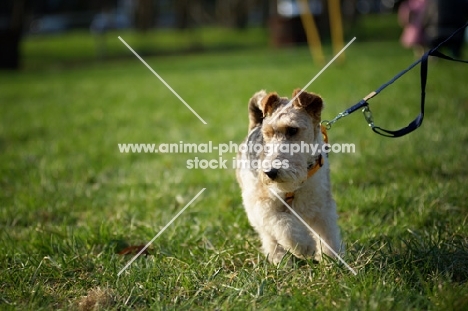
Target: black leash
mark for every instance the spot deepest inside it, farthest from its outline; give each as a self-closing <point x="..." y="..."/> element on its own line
<point x="419" y="119"/>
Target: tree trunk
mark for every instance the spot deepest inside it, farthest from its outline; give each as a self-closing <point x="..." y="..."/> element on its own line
<point x="10" y="37"/>
<point x="182" y="13"/>
<point x="144" y="15"/>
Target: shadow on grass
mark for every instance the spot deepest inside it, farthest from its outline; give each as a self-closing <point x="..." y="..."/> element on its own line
<point x="418" y="258"/>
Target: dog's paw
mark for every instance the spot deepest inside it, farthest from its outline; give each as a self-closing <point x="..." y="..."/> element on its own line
<point x="304" y="251"/>
<point x="280" y="257"/>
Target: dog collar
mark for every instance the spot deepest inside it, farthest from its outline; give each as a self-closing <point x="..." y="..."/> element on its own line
<point x="313" y="168"/>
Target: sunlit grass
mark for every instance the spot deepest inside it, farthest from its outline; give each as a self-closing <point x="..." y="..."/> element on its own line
<point x="70" y="200"/>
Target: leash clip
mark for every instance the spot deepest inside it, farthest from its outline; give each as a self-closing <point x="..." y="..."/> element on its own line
<point x="368" y="116"/>
<point x="328" y="124"/>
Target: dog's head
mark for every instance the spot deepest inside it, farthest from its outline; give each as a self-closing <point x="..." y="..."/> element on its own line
<point x="290" y="130"/>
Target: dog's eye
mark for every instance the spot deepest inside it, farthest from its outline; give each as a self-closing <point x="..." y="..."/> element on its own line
<point x="291" y="131"/>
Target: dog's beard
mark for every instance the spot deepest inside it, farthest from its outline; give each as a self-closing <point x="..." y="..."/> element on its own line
<point x="283" y="187"/>
<point x="288" y="180"/>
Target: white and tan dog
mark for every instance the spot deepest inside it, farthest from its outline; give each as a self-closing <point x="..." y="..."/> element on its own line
<point x="301" y="177"/>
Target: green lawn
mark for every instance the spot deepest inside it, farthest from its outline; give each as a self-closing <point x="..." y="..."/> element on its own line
<point x="70" y="201"/>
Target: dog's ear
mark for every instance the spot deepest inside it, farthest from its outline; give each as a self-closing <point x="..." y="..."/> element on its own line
<point x="269" y="104"/>
<point x="255" y="112"/>
<point x="260" y="106"/>
<point x="311" y="102"/>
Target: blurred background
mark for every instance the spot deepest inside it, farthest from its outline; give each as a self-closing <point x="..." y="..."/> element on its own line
<point x="42" y="33"/>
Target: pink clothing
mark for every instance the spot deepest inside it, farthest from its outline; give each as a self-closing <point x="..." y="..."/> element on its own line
<point x="410" y="17"/>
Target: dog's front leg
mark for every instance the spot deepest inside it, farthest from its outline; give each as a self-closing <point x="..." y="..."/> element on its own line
<point x="284" y="232"/>
<point x="326" y="226"/>
<point x="274" y="251"/>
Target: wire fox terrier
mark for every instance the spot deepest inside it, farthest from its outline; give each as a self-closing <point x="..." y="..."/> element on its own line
<point x="302" y="178"/>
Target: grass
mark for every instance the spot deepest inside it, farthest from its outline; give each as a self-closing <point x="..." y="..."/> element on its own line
<point x="70" y="201"/>
<point x="73" y="48"/>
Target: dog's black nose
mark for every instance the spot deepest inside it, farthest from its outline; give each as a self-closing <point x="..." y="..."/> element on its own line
<point x="272" y="173"/>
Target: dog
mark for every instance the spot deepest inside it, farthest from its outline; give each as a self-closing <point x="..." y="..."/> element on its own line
<point x="301" y="178"/>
